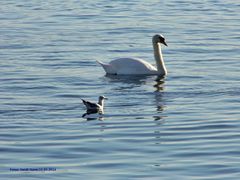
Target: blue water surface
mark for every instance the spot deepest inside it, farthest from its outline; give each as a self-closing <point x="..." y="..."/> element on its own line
<point x="183" y="126"/>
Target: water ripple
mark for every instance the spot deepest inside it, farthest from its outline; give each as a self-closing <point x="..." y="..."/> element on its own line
<point x="183" y="126"/>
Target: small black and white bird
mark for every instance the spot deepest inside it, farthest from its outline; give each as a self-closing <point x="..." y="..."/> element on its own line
<point x="94" y="108"/>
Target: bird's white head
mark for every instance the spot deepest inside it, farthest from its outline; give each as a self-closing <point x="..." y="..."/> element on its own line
<point x="158" y="38"/>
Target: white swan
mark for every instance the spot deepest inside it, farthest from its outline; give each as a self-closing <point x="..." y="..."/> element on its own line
<point x="136" y="66"/>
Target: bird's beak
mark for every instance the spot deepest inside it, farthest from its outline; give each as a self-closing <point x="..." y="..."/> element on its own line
<point x="165" y="43"/>
<point x="106" y="98"/>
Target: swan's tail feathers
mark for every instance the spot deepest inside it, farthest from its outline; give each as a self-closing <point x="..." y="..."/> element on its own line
<point x="108" y="68"/>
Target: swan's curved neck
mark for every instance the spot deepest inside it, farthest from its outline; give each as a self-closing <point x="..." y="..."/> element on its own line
<point x="159" y="59"/>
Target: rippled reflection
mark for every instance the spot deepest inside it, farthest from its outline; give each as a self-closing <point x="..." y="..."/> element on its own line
<point x="96" y="118"/>
<point x="127" y="82"/>
<point x="159" y="90"/>
<point x="159" y="84"/>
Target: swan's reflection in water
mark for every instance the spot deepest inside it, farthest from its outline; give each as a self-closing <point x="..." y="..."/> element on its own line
<point x="130" y="82"/>
<point x="159" y="84"/>
<point x="127" y="82"/>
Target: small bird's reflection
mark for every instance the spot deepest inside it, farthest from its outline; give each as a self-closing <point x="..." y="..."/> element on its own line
<point x="93" y="119"/>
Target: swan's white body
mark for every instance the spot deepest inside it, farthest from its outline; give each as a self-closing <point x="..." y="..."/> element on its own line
<point x="135" y="66"/>
<point x="128" y="66"/>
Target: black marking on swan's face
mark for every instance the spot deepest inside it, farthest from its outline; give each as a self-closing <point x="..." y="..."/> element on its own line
<point x="160" y="39"/>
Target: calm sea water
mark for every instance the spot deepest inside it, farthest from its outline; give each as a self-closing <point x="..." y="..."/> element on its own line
<point x="185" y="126"/>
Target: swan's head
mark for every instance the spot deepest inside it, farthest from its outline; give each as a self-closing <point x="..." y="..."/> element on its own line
<point x="158" y="38"/>
<point x="102" y="98"/>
